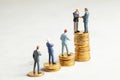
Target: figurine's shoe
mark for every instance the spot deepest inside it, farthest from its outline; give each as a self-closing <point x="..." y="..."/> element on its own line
<point x="54" y="63"/>
<point x="39" y="72"/>
<point x="69" y="54"/>
<point x="33" y="72"/>
<point x="78" y="31"/>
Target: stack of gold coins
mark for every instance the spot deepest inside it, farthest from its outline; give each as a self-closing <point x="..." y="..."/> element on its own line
<point x="82" y="50"/>
<point x="31" y="74"/>
<point x="67" y="60"/>
<point x="52" y="67"/>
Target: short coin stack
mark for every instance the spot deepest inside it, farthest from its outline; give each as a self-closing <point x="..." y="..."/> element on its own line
<point x="82" y="51"/>
<point x="31" y="74"/>
<point x="66" y="60"/>
<point x="52" y="67"/>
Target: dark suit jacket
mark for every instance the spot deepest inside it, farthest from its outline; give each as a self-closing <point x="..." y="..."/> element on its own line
<point x="36" y="55"/>
<point x="76" y="17"/>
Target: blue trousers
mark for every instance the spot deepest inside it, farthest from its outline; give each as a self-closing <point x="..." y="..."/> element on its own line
<point x="36" y="62"/>
<point x="86" y="27"/>
<point x="51" y="56"/>
<point x="64" y="45"/>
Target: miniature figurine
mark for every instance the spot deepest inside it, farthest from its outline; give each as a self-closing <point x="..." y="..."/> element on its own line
<point x="36" y="55"/>
<point x="51" y="52"/>
<point x="85" y="20"/>
<point x="76" y="20"/>
<point x="64" y="39"/>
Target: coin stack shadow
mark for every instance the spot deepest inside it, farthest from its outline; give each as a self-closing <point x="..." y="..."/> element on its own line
<point x="82" y="49"/>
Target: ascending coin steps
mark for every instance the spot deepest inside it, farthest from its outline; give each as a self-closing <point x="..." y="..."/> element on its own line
<point x="82" y="53"/>
<point x="66" y="60"/>
<point x="31" y="74"/>
<point x="82" y="49"/>
<point x="52" y="67"/>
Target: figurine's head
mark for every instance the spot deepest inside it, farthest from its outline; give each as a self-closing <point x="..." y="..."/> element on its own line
<point x="48" y="40"/>
<point x="86" y="9"/>
<point x="37" y="47"/>
<point x="65" y="31"/>
<point x="77" y="10"/>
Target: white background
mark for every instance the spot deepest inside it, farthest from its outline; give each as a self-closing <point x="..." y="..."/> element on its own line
<point x="26" y="23"/>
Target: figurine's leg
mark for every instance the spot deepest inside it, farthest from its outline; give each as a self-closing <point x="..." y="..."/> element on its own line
<point x="66" y="48"/>
<point x="62" y="48"/>
<point x="86" y="27"/>
<point x="38" y="67"/>
<point x="34" y="67"/>
<point x="53" y="62"/>
<point x="75" y="27"/>
<point x="49" y="58"/>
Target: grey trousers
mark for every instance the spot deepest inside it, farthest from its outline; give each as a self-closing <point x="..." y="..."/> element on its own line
<point x="86" y="27"/>
<point x="64" y="45"/>
<point x="75" y="26"/>
<point x="36" y="62"/>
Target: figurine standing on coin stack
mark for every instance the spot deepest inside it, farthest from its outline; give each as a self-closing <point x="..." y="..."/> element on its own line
<point x="51" y="66"/>
<point x="85" y="20"/>
<point x="37" y="73"/>
<point x="64" y="40"/>
<point x="81" y="41"/>
<point x="66" y="58"/>
<point x="76" y="20"/>
<point x="50" y="52"/>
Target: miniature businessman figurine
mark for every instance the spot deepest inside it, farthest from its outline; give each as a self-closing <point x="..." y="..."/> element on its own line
<point x="51" y="52"/>
<point x="36" y="55"/>
<point x="85" y="20"/>
<point x="76" y="20"/>
<point x="64" y="40"/>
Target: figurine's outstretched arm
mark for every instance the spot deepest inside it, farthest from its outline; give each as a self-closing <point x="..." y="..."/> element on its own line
<point x="39" y="53"/>
<point x="67" y="38"/>
<point x="80" y="16"/>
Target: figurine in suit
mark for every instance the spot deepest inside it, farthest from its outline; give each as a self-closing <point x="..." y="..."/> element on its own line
<point x="64" y="40"/>
<point x="51" y="52"/>
<point x="85" y="20"/>
<point x="76" y="20"/>
<point x="36" y="55"/>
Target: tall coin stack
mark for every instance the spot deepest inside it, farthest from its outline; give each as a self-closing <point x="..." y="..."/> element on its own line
<point x="82" y="50"/>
